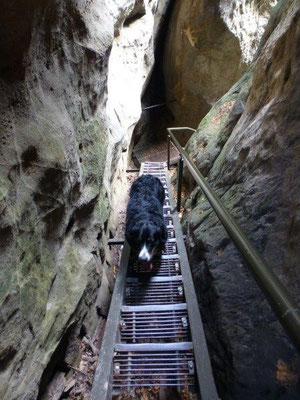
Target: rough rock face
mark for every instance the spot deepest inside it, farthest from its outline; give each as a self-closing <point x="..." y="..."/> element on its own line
<point x="208" y="48"/>
<point x="247" y="21"/>
<point x="130" y="67"/>
<point x="248" y="146"/>
<point x="58" y="157"/>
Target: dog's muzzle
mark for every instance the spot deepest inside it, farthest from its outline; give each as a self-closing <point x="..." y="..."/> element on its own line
<point x="144" y="255"/>
<point x="144" y="258"/>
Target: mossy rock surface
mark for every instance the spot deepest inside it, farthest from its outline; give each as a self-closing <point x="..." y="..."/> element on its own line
<point x="59" y="152"/>
<point x="251" y="158"/>
<point x="53" y="203"/>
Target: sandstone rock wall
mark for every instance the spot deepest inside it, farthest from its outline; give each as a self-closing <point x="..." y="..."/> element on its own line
<point x="248" y="147"/>
<point x="209" y="45"/>
<point x="58" y="158"/>
<point x="130" y="67"/>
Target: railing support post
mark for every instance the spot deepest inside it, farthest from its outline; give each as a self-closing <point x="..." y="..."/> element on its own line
<point x="179" y="183"/>
<point x="169" y="151"/>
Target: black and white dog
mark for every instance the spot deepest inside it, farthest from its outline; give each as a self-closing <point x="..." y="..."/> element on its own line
<point x="145" y="230"/>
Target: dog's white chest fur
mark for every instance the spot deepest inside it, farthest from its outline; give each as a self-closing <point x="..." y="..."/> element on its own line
<point x="144" y="254"/>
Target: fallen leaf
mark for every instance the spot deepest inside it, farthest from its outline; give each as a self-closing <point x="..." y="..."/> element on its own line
<point x="284" y="375"/>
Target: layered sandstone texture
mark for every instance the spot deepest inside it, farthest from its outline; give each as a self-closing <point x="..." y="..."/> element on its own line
<point x="58" y="157"/>
<point x="210" y="43"/>
<point x="248" y="147"/>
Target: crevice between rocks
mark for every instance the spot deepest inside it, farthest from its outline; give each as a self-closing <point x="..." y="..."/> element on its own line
<point x="151" y="127"/>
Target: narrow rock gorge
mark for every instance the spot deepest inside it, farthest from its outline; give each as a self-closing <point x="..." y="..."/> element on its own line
<point x="65" y="128"/>
<point x="73" y="78"/>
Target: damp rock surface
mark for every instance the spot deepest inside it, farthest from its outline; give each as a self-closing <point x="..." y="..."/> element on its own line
<point x="248" y="147"/>
<point x="209" y="45"/>
<point x="59" y="152"/>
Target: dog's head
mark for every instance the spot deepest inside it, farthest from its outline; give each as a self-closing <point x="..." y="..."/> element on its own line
<point x="147" y="239"/>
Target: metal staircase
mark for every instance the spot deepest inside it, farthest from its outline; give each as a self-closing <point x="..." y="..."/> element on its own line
<point x="154" y="335"/>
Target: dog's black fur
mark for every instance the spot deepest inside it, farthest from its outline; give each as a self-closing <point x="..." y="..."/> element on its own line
<point x="144" y="219"/>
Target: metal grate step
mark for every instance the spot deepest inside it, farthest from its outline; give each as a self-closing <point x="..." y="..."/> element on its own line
<point x="167" y="211"/>
<point x="161" y="267"/>
<point x="171" y="232"/>
<point x="154" y="166"/>
<point x="170" y="248"/>
<point x="168" y="220"/>
<point x="154" y="364"/>
<point x="156" y="290"/>
<point x="154" y="324"/>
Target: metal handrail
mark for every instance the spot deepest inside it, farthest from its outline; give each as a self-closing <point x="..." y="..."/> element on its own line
<point x="281" y="301"/>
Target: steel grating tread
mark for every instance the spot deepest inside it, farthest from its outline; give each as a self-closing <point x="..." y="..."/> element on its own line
<point x="165" y="307"/>
<point x="161" y="267"/>
<point x="156" y="325"/>
<point x="166" y="347"/>
<point x="152" y="366"/>
<point x="160" y="279"/>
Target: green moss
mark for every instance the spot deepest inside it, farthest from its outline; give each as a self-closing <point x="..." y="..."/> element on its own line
<point x="4" y="187"/>
<point x="93" y="153"/>
<point x="207" y="142"/>
<point x="35" y="272"/>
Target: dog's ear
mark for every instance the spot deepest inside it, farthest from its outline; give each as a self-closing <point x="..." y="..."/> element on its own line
<point x="132" y="236"/>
